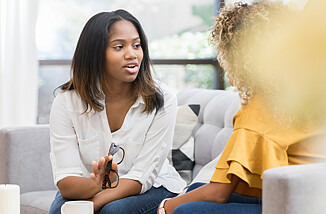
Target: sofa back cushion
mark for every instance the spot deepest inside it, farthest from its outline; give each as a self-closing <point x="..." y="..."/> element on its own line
<point x="24" y="158"/>
<point x="214" y="126"/>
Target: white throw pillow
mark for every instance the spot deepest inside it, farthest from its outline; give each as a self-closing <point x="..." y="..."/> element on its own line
<point x="182" y="154"/>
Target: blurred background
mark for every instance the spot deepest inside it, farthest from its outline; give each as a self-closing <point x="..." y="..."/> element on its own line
<point x="38" y="38"/>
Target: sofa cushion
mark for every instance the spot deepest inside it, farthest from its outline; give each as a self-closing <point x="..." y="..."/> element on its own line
<point x="206" y="172"/>
<point x="214" y="126"/>
<point x="37" y="202"/>
<point x="182" y="154"/>
<point x="24" y="158"/>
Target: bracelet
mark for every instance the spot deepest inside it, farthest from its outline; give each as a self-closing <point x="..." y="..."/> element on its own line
<point x="161" y="209"/>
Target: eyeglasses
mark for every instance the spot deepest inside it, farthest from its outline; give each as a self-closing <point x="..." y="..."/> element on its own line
<point x="106" y="182"/>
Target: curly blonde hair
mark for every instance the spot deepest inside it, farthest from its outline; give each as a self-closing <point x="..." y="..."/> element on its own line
<point x="238" y="28"/>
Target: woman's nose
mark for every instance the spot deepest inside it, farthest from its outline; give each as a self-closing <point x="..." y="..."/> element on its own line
<point x="130" y="53"/>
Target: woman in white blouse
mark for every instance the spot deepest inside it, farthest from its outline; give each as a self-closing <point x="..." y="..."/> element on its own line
<point x="112" y="97"/>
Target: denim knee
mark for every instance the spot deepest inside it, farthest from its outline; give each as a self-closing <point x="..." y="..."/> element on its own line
<point x="56" y="204"/>
<point x="195" y="186"/>
<point x="114" y="207"/>
<point x="181" y="209"/>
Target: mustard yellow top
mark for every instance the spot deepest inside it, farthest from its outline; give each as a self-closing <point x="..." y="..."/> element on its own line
<point x="259" y="142"/>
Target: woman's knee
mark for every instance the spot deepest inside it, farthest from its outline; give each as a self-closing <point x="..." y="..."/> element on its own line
<point x="114" y="207"/>
<point x="181" y="209"/>
<point x="57" y="204"/>
<point x="195" y="186"/>
<point x="55" y="208"/>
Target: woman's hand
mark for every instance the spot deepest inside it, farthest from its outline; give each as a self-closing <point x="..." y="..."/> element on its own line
<point x="99" y="171"/>
<point x="212" y="192"/>
<point x="98" y="176"/>
<point x="113" y="176"/>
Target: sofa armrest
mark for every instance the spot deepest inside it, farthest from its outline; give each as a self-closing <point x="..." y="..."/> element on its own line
<point x="24" y="158"/>
<point x="296" y="189"/>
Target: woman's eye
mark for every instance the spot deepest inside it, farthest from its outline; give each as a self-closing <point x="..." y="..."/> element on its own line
<point x="118" y="47"/>
<point x="137" y="46"/>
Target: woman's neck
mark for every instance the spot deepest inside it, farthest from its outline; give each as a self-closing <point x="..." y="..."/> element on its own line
<point x="116" y="92"/>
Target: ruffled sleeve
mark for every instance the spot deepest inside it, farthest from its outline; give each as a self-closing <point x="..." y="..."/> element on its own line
<point x="247" y="155"/>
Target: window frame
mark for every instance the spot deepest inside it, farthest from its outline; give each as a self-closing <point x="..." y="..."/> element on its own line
<point x="218" y="80"/>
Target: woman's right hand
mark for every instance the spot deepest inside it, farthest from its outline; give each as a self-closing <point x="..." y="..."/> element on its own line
<point x="98" y="176"/>
<point x="99" y="171"/>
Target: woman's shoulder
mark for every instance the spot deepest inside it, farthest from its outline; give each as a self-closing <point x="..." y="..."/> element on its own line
<point x="258" y="117"/>
<point x="169" y="96"/>
<point x="167" y="91"/>
<point x="256" y="110"/>
<point x="71" y="100"/>
<point x="255" y="116"/>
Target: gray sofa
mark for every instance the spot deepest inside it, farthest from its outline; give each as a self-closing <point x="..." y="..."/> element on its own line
<point x="24" y="160"/>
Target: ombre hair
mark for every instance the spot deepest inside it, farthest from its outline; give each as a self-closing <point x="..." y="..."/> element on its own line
<point x="88" y="63"/>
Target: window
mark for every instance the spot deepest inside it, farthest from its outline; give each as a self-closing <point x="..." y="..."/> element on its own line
<point x="177" y="32"/>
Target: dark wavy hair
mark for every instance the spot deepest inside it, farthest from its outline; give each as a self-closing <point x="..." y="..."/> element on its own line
<point x="88" y="63"/>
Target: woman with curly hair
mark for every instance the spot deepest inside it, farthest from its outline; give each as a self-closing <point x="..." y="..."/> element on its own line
<point x="259" y="140"/>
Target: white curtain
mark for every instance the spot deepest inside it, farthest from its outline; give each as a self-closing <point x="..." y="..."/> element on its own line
<point x="18" y="62"/>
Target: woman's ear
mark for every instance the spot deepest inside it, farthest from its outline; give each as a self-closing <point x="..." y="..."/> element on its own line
<point x="222" y="65"/>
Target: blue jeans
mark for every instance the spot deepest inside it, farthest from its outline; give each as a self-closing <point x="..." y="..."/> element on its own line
<point x="237" y="204"/>
<point x="138" y="204"/>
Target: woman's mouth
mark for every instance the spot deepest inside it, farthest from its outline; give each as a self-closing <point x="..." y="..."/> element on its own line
<point x="131" y="68"/>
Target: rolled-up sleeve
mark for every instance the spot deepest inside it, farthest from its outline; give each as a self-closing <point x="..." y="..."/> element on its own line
<point x="64" y="155"/>
<point x="156" y="146"/>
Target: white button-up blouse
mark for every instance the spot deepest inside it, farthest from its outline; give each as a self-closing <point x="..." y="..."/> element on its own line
<point x="78" y="138"/>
